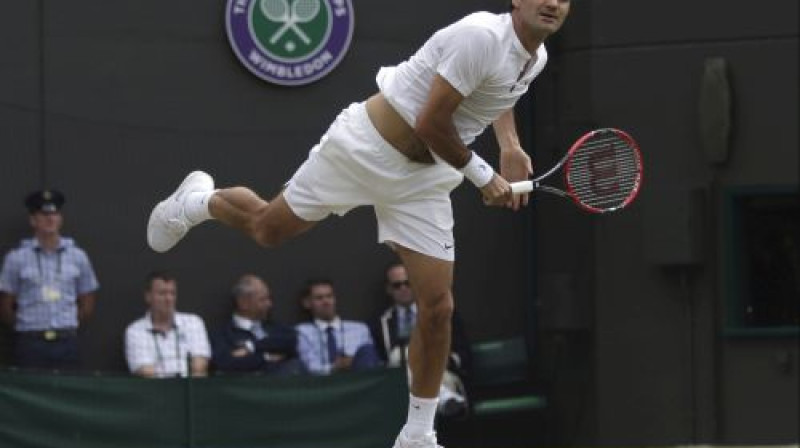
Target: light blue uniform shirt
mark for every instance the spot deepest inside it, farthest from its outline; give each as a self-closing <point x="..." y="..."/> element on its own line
<point x="312" y="342"/>
<point x="47" y="283"/>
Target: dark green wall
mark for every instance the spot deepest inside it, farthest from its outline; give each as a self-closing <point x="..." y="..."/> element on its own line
<point x="48" y="410"/>
<point x="636" y="342"/>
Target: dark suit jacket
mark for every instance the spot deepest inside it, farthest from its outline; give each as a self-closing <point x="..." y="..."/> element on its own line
<point x="280" y="339"/>
<point x="384" y="333"/>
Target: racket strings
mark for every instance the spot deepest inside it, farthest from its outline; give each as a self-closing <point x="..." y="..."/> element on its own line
<point x="604" y="172"/>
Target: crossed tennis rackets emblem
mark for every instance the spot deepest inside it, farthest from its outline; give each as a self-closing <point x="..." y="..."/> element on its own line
<point x="302" y="11"/>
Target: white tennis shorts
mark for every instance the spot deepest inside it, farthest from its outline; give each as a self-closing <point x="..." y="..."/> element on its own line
<point x="353" y="165"/>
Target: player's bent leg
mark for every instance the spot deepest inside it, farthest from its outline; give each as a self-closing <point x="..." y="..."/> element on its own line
<point x="195" y="200"/>
<point x="268" y="223"/>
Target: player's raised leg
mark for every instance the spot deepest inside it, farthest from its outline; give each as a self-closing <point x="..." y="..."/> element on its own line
<point x="431" y="279"/>
<point x="195" y="200"/>
<point x="268" y="223"/>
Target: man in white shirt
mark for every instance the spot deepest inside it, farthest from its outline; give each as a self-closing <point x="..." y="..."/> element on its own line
<point x="165" y="343"/>
<point x="403" y="151"/>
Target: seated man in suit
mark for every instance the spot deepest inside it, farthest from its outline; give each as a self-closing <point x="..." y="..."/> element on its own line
<point x="329" y="344"/>
<point x="393" y="329"/>
<point x="251" y="343"/>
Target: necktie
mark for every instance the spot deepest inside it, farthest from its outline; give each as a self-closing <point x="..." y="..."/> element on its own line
<point x="405" y="324"/>
<point x="257" y="331"/>
<point x="411" y="318"/>
<point x="332" y="348"/>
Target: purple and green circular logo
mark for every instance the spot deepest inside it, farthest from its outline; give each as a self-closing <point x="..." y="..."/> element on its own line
<point x="290" y="42"/>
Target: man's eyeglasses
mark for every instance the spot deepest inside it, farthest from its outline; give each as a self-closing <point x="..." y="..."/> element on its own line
<point x="400" y="284"/>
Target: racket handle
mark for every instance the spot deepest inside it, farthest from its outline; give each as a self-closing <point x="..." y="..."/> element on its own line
<point x="525" y="186"/>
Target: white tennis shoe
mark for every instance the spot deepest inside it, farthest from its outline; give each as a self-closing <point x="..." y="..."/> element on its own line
<point x="168" y="222"/>
<point x="426" y="441"/>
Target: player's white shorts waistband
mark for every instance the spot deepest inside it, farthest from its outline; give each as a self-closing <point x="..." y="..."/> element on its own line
<point x="353" y="165"/>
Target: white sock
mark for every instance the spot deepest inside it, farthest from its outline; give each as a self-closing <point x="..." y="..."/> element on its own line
<point x="421" y="412"/>
<point x="196" y="206"/>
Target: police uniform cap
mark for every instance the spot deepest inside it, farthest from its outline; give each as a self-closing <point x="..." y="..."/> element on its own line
<point x="47" y="201"/>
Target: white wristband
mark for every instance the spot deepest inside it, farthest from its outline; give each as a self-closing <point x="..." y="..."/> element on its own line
<point x="478" y="171"/>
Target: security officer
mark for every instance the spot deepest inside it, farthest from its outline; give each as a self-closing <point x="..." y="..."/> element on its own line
<point x="47" y="288"/>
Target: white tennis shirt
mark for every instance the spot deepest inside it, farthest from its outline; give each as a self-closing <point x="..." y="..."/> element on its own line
<point x="481" y="56"/>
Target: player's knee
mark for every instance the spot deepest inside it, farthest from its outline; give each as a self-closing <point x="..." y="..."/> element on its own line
<point x="436" y="309"/>
<point x="267" y="236"/>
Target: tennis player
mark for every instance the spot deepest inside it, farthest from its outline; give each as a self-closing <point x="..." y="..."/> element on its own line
<point x="403" y="151"/>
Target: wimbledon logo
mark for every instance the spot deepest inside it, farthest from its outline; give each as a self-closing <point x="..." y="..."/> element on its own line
<point x="289" y="42"/>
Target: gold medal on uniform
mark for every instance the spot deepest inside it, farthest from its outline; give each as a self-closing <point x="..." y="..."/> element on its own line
<point x="50" y="294"/>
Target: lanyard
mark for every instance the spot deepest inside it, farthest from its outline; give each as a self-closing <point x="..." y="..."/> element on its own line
<point x="41" y="270"/>
<point x="161" y="361"/>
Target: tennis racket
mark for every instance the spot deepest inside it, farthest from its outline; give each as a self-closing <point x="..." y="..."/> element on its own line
<point x="602" y="172"/>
